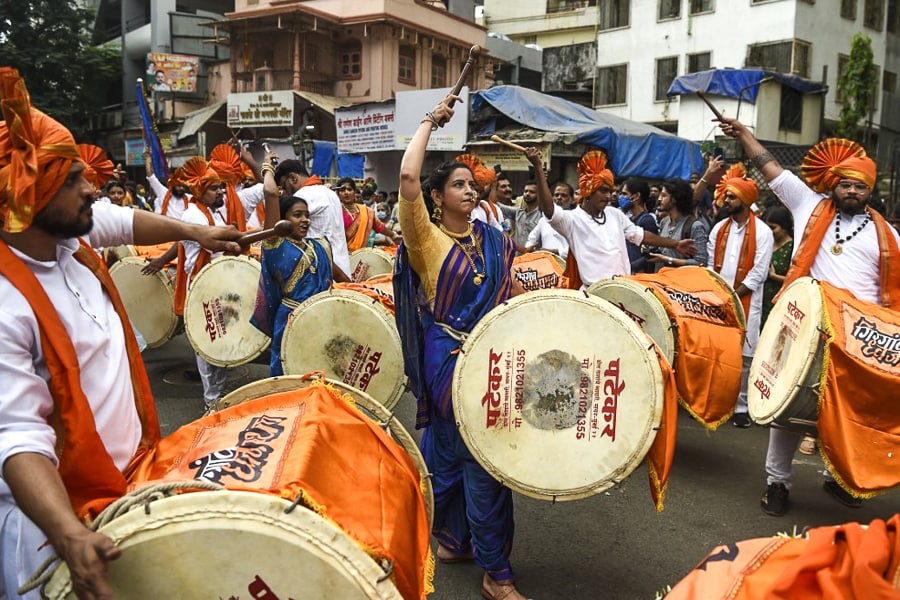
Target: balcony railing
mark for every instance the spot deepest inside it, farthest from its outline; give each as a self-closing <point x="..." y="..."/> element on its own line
<point x="274" y="79"/>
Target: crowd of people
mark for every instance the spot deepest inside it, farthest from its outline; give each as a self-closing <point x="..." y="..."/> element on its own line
<point x="68" y="345"/>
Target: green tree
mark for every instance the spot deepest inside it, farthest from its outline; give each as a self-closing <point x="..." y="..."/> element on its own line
<point x="856" y="87"/>
<point x="50" y="43"/>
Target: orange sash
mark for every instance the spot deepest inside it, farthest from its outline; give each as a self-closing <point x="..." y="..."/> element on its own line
<point x="313" y="444"/>
<point x="203" y="258"/>
<point x="167" y="199"/>
<point x="88" y="472"/>
<point x="859" y="417"/>
<point x="819" y="222"/>
<point x="709" y="340"/>
<point x="745" y="263"/>
<point x="234" y="208"/>
<point x="571" y="273"/>
<point x="359" y="231"/>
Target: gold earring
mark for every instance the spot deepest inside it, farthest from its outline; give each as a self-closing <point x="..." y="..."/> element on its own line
<point x="436" y="214"/>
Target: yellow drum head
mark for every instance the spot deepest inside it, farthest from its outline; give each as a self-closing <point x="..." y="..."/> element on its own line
<point x="557" y="394"/>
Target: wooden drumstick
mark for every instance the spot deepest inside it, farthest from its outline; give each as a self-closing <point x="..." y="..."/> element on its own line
<point x="474" y="51"/>
<point x="711" y="106"/>
<point x="507" y="143"/>
<point x="281" y="229"/>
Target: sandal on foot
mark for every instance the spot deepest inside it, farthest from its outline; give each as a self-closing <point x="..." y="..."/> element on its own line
<point x="501" y="593"/>
<point x="808" y="445"/>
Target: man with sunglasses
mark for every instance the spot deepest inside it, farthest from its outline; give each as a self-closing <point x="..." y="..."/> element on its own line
<point x="842" y="242"/>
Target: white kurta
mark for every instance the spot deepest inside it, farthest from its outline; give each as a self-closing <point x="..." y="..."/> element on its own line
<point x="326" y="219"/>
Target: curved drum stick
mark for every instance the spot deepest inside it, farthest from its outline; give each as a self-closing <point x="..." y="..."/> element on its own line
<point x="281" y="229"/>
<point x="507" y="143"/>
<point x="711" y="106"/>
<point x="474" y="51"/>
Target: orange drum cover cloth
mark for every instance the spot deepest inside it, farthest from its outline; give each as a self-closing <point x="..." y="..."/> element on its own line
<point x="314" y="444"/>
<point x="859" y="411"/>
<point x="710" y="337"/>
<point x="847" y="562"/>
<point x="380" y="288"/>
<point x="538" y="271"/>
<point x="155" y="251"/>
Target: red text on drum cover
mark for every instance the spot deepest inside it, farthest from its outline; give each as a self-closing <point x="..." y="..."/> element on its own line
<point x="215" y="323"/>
<point x="363" y="367"/>
<point x="633" y="316"/>
<point x="491" y="398"/>
<point x="872" y="340"/>
<point x="612" y="389"/>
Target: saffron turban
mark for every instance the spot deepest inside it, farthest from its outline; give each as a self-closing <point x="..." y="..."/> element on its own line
<point x="198" y="175"/>
<point x="98" y="169"/>
<point x="484" y="176"/>
<point x="36" y="153"/>
<point x="225" y="161"/>
<point x="593" y="174"/>
<point x="736" y="181"/>
<point x="834" y="159"/>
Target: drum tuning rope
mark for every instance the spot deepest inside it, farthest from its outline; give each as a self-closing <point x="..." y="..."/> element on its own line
<point x="388" y="567"/>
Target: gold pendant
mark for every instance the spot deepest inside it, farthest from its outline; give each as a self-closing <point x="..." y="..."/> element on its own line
<point x="837" y="249"/>
<point x="479" y="278"/>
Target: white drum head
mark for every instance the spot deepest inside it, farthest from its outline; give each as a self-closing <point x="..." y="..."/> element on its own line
<point x="149" y="300"/>
<point x="789" y="347"/>
<point x="642" y="306"/>
<point x="368" y="405"/>
<point x="228" y="544"/>
<point x="367" y="263"/>
<point x="217" y="311"/>
<point x="352" y="338"/>
<point x="557" y="395"/>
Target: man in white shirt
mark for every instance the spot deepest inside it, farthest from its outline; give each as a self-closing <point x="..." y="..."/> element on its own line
<point x="325" y="212"/>
<point x="170" y="201"/>
<point x="57" y="307"/>
<point x="740" y="250"/>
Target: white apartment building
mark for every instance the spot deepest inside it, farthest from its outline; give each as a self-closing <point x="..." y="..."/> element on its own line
<point x="642" y="45"/>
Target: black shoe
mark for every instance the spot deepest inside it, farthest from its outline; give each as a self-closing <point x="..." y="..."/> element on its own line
<point x="775" y="501"/>
<point x="741" y="420"/>
<point x="840" y="494"/>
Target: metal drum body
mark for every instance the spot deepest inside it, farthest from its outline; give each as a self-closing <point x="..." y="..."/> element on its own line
<point x="786" y="371"/>
<point x="367" y="263"/>
<point x="227" y="544"/>
<point x="352" y="338"/>
<point x="557" y="394"/>
<point x="217" y="311"/>
<point x="149" y="299"/>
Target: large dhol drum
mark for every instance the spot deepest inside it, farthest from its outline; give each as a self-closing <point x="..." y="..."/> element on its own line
<point x="149" y="299"/>
<point x="786" y="372"/>
<point x="643" y="307"/>
<point x="226" y="544"/>
<point x="217" y="311"/>
<point x="364" y="402"/>
<point x="539" y="270"/>
<point x="367" y="263"/>
<point x="557" y="395"/>
<point x="352" y="338"/>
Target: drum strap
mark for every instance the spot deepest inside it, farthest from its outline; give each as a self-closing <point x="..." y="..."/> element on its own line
<point x="459" y="336"/>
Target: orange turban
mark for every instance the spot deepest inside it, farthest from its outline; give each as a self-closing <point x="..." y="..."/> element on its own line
<point x="198" y="175"/>
<point x="592" y="173"/>
<point x="36" y="153"/>
<point x="483" y="175"/>
<point x="227" y="163"/>
<point x="736" y="181"/>
<point x="97" y="167"/>
<point x="834" y="159"/>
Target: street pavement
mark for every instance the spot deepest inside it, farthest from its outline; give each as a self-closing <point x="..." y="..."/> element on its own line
<point x="613" y="545"/>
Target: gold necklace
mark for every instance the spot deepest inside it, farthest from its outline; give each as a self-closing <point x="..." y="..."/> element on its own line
<point x="468" y="247"/>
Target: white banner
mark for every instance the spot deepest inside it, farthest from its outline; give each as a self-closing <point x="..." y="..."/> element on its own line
<point x="261" y="109"/>
<point x="365" y="128"/>
<point x="411" y="109"/>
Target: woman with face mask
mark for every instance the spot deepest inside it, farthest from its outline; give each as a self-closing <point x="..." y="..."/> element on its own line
<point x="360" y="221"/>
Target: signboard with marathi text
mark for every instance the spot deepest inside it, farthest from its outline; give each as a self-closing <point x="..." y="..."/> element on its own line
<point x="171" y="72"/>
<point x="511" y="160"/>
<point x="365" y="127"/>
<point x="261" y="109"/>
<point x="411" y="108"/>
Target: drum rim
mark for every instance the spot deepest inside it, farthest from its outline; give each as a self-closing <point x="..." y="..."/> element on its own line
<point x="641" y="450"/>
<point x="286" y="383"/>
<point x="367" y="301"/>
<point x="802" y="372"/>
<point x="170" y="292"/>
<point x="556" y="257"/>
<point x="735" y="299"/>
<point x="319" y="535"/>
<point x="254" y="349"/>
<point x="659" y="309"/>
<point x="387" y="259"/>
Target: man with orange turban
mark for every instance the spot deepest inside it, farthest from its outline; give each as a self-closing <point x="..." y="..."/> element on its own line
<point x="75" y="402"/>
<point x="595" y="232"/>
<point x="740" y="250"/>
<point x="842" y="242"/>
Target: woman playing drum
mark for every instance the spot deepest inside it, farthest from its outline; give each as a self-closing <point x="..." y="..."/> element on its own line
<point x="294" y="268"/>
<point x="458" y="270"/>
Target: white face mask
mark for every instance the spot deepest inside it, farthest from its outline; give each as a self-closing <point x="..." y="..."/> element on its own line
<point x="381" y="215"/>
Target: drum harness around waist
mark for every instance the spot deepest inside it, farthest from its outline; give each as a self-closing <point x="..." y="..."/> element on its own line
<point x="456" y="334"/>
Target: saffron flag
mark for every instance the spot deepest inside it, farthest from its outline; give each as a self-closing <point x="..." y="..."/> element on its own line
<point x="148" y="132"/>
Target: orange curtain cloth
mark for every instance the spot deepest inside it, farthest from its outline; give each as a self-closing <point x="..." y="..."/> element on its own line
<point x="709" y="340"/>
<point x="313" y="443"/>
<point x="662" y="451"/>
<point x="359" y="231"/>
<point x="848" y="562"/>
<point x="859" y="417"/>
<point x="745" y="263"/>
<point x="91" y="478"/>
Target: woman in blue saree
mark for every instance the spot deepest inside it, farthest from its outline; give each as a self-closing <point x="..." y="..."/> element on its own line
<point x="448" y="274"/>
<point x="294" y="268"/>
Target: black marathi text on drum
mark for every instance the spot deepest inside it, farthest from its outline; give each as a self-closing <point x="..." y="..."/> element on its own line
<point x="879" y="346"/>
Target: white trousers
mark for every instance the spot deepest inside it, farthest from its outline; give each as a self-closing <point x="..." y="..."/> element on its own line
<point x="745" y="379"/>
<point x="23" y="548"/>
<point x="213" y="379"/>
<point x="780" y="456"/>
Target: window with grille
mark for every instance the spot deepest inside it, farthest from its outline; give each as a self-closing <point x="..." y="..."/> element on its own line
<point x="893" y="17"/>
<point x="699" y="62"/>
<point x="438" y="71"/>
<point x="791" y="57"/>
<point x="350" y="61"/>
<point x="666" y="71"/>
<point x="889" y="83"/>
<point x="702" y="6"/>
<point x="611" y="82"/>
<point x="669" y="9"/>
<point x="873" y="15"/>
<point x="791" y="116"/>
<point x="614" y="14"/>
<point x="406" y="72"/>
<point x="848" y="9"/>
<point x="555" y="6"/>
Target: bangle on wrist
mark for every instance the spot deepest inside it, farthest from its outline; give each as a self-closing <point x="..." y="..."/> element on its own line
<point x="429" y="116"/>
<point x="703" y="179"/>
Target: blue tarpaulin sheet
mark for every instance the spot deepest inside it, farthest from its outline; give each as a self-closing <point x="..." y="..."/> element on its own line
<point x="633" y="148"/>
<point x="348" y="165"/>
<point x="738" y="83"/>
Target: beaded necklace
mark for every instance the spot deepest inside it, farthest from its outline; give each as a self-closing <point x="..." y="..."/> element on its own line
<point x="837" y="249"/>
<point x="470" y="248"/>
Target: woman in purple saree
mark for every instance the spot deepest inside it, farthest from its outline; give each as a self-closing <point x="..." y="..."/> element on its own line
<point x="448" y="274"/>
